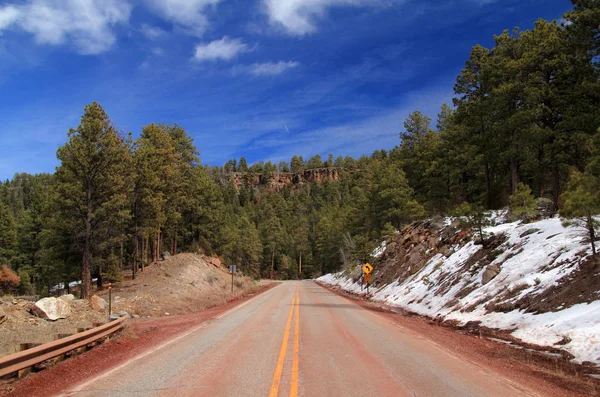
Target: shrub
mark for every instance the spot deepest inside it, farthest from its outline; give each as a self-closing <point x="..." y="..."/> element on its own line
<point x="9" y="281"/>
<point x="522" y="204"/>
<point x="25" y="288"/>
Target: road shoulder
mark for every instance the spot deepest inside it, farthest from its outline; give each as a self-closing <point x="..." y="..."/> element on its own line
<point x="545" y="375"/>
<point x="139" y="337"/>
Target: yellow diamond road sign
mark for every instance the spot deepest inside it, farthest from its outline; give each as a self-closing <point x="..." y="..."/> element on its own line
<point x="367" y="268"/>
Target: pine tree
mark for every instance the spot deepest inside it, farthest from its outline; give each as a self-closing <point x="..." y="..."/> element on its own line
<point x="8" y="234"/>
<point x="475" y="217"/>
<point x="90" y="183"/>
<point x="522" y="204"/>
<point x="581" y="200"/>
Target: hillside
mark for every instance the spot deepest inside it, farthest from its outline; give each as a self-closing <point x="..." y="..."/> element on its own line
<point x="181" y="284"/>
<point x="537" y="281"/>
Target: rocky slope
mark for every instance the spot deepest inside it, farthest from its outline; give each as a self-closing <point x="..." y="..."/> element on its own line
<point x="536" y="281"/>
<point x="180" y="284"/>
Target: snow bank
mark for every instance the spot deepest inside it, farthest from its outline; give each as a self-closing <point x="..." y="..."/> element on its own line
<point x="533" y="258"/>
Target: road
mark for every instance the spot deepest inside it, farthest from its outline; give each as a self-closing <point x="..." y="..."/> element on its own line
<point x="299" y="339"/>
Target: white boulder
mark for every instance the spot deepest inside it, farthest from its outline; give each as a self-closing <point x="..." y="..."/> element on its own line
<point x="51" y="309"/>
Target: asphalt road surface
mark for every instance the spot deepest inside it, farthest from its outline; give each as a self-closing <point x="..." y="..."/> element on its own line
<point x="299" y="339"/>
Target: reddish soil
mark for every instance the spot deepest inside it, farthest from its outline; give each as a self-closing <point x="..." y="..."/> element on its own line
<point x="139" y="336"/>
<point x="548" y="376"/>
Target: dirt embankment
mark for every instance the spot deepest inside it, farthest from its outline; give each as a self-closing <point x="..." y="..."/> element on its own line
<point x="181" y="284"/>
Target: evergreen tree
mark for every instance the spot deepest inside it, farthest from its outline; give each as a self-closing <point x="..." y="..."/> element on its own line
<point x="522" y="204"/>
<point x="8" y="234"/>
<point x="582" y="201"/>
<point x="90" y="183"/>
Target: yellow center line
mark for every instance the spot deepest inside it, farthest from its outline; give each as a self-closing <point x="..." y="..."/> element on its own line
<point x="294" y="387"/>
<point x="282" y="352"/>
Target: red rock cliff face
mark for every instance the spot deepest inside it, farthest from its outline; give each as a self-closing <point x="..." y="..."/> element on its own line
<point x="280" y="180"/>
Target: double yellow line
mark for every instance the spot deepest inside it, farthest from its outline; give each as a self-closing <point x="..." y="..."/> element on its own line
<point x="282" y="352"/>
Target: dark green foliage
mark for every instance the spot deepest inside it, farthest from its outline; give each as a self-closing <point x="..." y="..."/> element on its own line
<point x="92" y="185"/>
<point x="522" y="204"/>
<point x="475" y="217"/>
<point x="581" y="201"/>
<point x="8" y="234"/>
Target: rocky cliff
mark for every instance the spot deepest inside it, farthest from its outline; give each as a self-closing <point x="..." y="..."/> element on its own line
<point x="280" y="180"/>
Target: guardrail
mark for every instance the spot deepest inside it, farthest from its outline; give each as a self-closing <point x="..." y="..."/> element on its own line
<point x="29" y="358"/>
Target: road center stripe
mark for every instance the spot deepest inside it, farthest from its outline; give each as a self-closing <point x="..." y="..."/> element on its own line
<point x="282" y="352"/>
<point x="294" y="387"/>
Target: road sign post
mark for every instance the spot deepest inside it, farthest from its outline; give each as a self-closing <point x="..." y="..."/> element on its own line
<point x="367" y="276"/>
<point x="109" y="299"/>
<point x="232" y="270"/>
<point x="367" y="279"/>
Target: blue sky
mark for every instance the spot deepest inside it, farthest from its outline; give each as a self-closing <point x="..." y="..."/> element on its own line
<point x="264" y="79"/>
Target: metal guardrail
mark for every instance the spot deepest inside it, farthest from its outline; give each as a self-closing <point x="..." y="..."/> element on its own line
<point x="29" y="358"/>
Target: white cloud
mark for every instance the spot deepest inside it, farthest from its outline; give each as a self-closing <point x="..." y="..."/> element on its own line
<point x="88" y="24"/>
<point x="190" y="14"/>
<point x="151" y="32"/>
<point x="297" y="16"/>
<point x="225" y="49"/>
<point x="8" y="16"/>
<point x="271" y="68"/>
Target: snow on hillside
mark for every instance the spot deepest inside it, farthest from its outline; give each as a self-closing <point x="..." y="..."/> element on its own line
<point x="532" y="259"/>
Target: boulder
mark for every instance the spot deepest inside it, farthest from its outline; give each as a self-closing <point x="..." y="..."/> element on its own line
<point x="51" y="309"/>
<point x="490" y="272"/>
<point x="446" y="251"/>
<point x="415" y="257"/>
<point x="166" y="255"/>
<point x="123" y="313"/>
<point x="98" y="304"/>
<point x="545" y="207"/>
<point x="433" y="243"/>
<point x="67" y="298"/>
<point x="211" y="260"/>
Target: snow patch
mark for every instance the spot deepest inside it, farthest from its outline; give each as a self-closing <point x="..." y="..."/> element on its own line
<point x="533" y="258"/>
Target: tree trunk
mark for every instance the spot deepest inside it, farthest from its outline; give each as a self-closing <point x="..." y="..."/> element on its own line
<point x="590" y="224"/>
<point x="272" y="262"/>
<point x="514" y="176"/>
<point x="86" y="265"/>
<point x="300" y="265"/>
<point x="154" y="249"/>
<point x="144" y="248"/>
<point x="159" y="245"/>
<point x="481" y="235"/>
<point x="555" y="182"/>
<point x="539" y="183"/>
<point x="121" y="255"/>
<point x="488" y="185"/>
<point x="134" y="265"/>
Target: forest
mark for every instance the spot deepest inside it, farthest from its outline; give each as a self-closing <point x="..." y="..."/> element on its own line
<point x="524" y="124"/>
